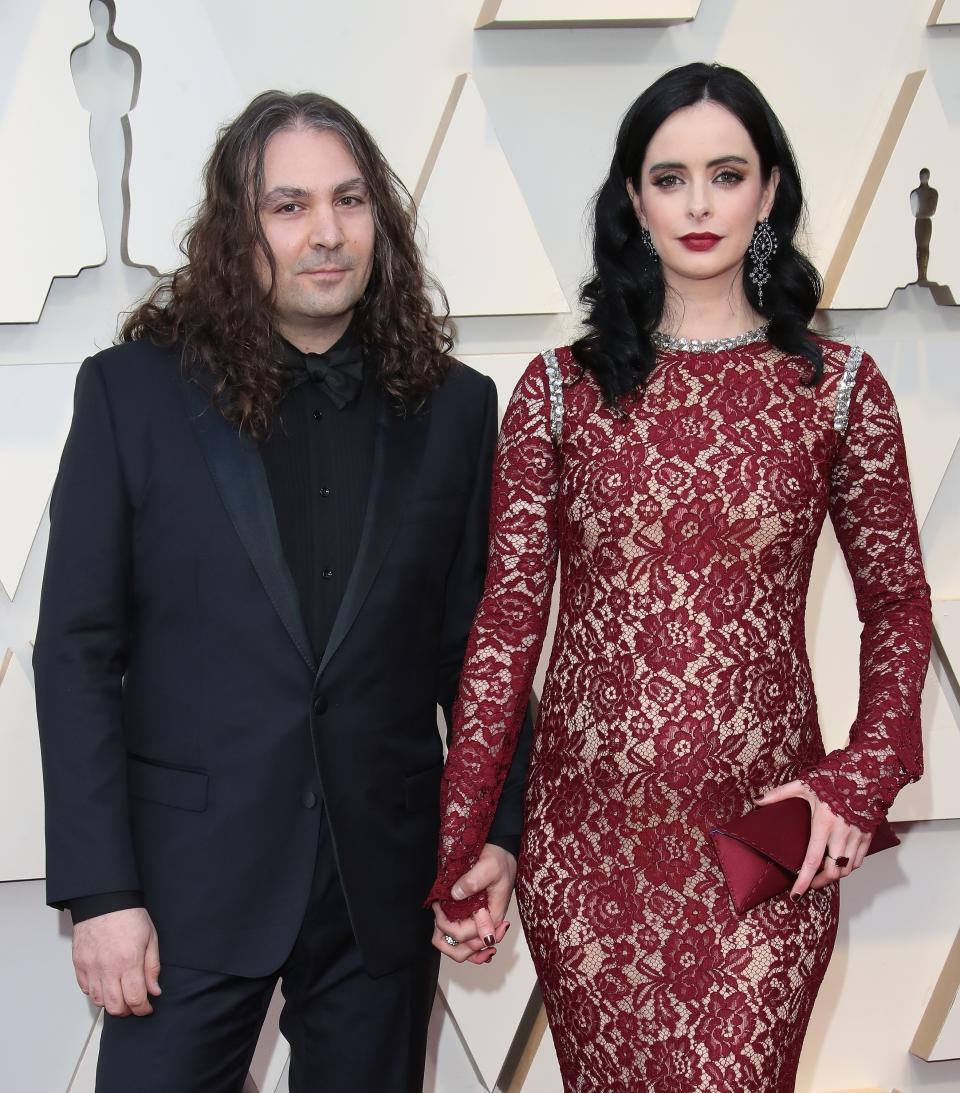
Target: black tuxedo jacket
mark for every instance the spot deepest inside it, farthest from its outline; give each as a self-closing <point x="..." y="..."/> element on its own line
<point x="190" y="742"/>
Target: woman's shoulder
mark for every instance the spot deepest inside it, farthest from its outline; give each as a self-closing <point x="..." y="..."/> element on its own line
<point x="842" y="357"/>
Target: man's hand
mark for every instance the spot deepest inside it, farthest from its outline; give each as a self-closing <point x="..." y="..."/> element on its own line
<point x="117" y="961"/>
<point x="477" y="937"/>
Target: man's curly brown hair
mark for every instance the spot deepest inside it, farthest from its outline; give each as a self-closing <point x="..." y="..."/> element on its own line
<point x="214" y="306"/>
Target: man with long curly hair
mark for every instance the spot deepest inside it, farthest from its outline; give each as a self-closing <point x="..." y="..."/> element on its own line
<point x="268" y="538"/>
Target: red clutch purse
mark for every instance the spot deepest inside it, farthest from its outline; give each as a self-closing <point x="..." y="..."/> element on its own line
<point x="762" y="852"/>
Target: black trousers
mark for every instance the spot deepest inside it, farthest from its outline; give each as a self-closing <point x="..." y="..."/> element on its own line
<point x="348" y="1032"/>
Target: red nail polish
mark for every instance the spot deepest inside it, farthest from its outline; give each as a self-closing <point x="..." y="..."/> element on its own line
<point x="489" y="940"/>
<point x="795" y="896"/>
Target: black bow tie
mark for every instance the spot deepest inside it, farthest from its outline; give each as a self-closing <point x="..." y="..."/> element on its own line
<point x="339" y="372"/>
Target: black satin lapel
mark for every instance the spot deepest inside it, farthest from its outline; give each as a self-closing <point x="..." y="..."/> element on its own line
<point x="238" y="473"/>
<point x="400" y="442"/>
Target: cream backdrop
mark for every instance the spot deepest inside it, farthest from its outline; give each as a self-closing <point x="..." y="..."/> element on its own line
<point x="536" y="118"/>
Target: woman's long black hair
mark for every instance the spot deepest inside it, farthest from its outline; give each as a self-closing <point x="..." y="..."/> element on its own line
<point x="624" y="298"/>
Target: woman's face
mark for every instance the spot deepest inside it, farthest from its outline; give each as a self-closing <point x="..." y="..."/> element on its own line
<point x="701" y="192"/>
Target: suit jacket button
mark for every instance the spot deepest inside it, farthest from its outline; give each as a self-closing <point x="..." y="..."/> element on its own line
<point x="309" y="798"/>
<point x="320" y="706"/>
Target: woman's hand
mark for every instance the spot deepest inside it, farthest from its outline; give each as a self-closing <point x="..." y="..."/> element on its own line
<point x="835" y="849"/>
<point x="477" y="937"/>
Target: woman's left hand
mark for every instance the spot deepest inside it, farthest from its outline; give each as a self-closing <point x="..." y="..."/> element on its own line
<point x="835" y="849"/>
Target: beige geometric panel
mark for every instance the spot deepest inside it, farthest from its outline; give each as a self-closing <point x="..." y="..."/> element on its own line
<point x="488" y="1002"/>
<point x="49" y="210"/>
<point x="505" y="369"/>
<point x="480" y="239"/>
<point x="449" y="1068"/>
<point x="273" y="1051"/>
<point x="899" y="917"/>
<point x="543" y="1075"/>
<point x="876" y="253"/>
<point x="946" y="623"/>
<point x="177" y="34"/>
<point x="945" y="13"/>
<point x="834" y="122"/>
<point x="203" y="62"/>
<point x="44" y="1019"/>
<point x="85" y="1077"/>
<point x="35" y="409"/>
<point x="940" y="534"/>
<point x="283" y="1082"/>
<point x="926" y="385"/>
<point x="21" y="785"/>
<point x="519" y="14"/>
<point x="938" y="1034"/>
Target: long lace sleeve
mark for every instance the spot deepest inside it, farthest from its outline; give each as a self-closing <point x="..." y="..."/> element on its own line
<point x="872" y="512"/>
<point x="507" y="635"/>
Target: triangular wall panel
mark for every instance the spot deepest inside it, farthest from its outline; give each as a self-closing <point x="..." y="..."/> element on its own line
<point x="876" y="253"/>
<point x="505" y="369"/>
<point x="940" y="534"/>
<point x="528" y="14"/>
<point x="487" y="1002"/>
<point x="946" y="624"/>
<point x="35" y="411"/>
<point x="273" y="1052"/>
<point x="21" y="784"/>
<point x="938" y="1034"/>
<point x="481" y="242"/>
<point x="49" y="206"/>
<point x="85" y="1077"/>
<point x="945" y="13"/>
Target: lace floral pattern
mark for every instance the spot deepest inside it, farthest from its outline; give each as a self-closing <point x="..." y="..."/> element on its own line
<point x="678" y="689"/>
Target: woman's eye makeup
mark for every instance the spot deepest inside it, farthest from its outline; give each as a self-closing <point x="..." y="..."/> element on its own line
<point x="728" y="177"/>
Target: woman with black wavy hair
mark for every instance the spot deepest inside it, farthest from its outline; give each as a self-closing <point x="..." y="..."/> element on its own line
<point x="680" y="459"/>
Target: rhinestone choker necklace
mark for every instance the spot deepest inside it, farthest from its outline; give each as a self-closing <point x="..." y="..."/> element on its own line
<point x="715" y="345"/>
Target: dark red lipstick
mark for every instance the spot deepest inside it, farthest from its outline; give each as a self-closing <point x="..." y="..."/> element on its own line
<point x="700" y="240"/>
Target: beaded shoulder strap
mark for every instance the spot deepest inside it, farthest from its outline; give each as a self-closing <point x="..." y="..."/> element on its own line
<point x="555" y="393"/>
<point x="845" y="389"/>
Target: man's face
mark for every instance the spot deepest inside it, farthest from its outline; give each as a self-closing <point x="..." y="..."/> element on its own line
<point x="316" y="215"/>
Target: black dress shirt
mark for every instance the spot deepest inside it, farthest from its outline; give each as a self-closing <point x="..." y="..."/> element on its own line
<point x="319" y="459"/>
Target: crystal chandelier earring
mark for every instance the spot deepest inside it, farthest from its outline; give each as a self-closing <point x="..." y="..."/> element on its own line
<point x="763" y="246"/>
<point x="647" y="240"/>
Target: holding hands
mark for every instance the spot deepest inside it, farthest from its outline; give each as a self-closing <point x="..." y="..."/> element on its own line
<point x="476" y="938"/>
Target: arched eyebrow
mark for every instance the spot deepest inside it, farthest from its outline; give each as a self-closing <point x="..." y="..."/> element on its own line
<point x="718" y="162"/>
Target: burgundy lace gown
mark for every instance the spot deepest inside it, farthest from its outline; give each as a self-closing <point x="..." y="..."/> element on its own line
<point x="678" y="689"/>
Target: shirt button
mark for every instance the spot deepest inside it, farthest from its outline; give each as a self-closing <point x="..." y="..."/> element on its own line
<point x="324" y="492"/>
<point x="320" y="706"/>
<point x="317" y="415"/>
<point x="326" y="574"/>
<point x="309" y="799"/>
